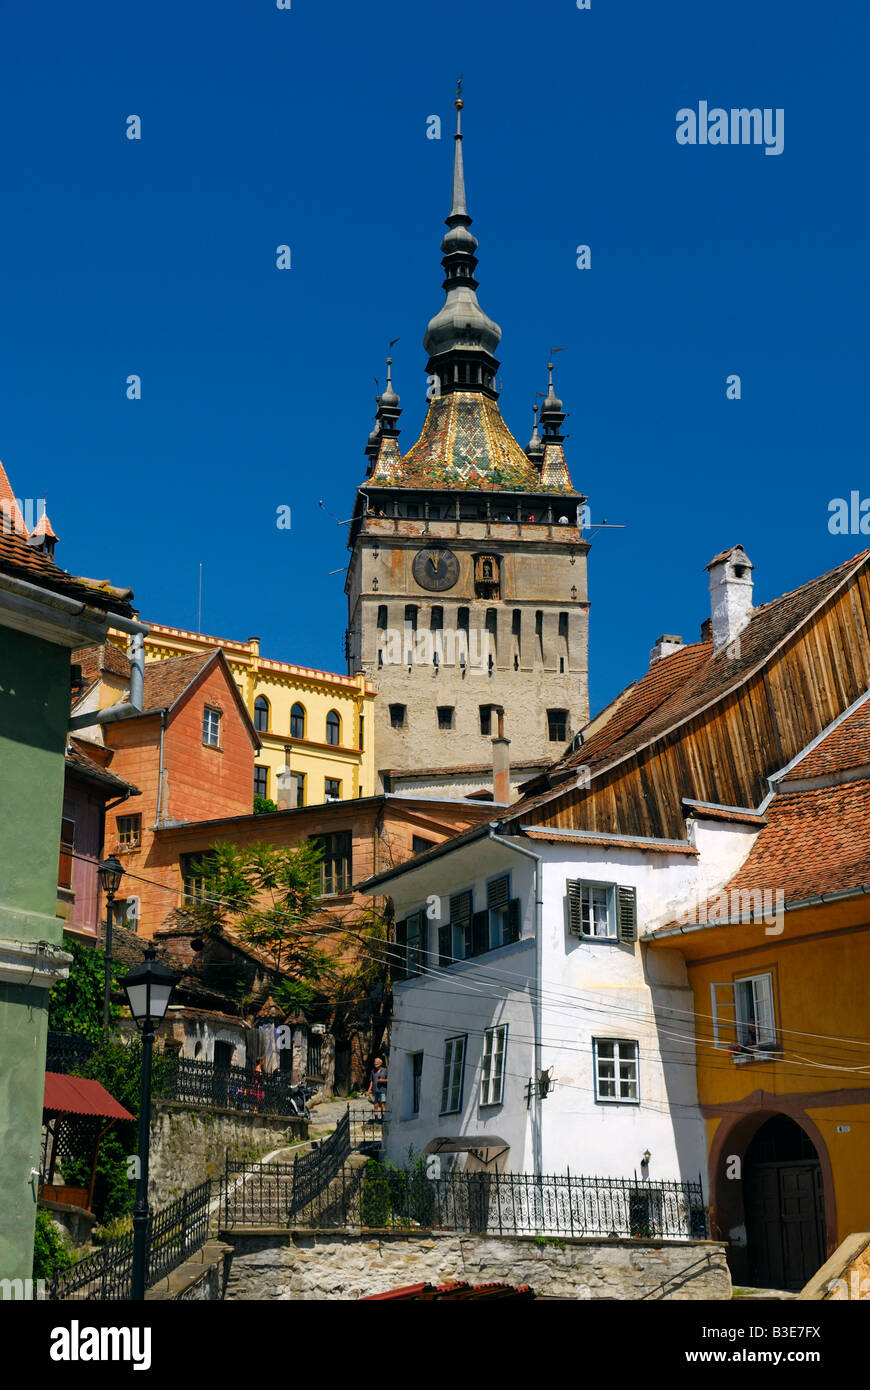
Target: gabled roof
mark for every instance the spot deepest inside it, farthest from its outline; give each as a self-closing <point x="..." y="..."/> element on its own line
<point x="682" y="685"/>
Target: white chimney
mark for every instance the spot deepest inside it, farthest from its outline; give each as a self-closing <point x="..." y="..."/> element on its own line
<point x="665" y="644"/>
<point x="730" y="595"/>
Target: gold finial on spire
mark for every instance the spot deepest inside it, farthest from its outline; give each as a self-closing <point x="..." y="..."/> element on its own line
<point x="459" y="103"/>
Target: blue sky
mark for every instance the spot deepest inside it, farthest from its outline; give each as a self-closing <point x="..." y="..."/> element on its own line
<point x="307" y="127"/>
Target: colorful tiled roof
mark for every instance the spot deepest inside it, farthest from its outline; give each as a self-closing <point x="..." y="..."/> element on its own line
<point x="466" y="444"/>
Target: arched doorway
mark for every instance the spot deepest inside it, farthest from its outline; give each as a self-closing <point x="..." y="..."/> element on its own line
<point x="784" y="1204"/>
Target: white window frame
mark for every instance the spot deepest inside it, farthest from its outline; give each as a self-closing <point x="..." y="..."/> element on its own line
<point x="732" y="1020"/>
<point x="453" y="1074"/>
<point x="630" y="1057"/>
<point x="591" y="886"/>
<point x="211" y="725"/>
<point x="492" y="1065"/>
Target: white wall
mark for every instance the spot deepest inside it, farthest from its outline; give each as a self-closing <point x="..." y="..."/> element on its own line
<point x="589" y="990"/>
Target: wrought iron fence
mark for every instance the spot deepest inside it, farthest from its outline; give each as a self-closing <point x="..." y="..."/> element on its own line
<point x="226" y="1088"/>
<point x="281" y="1193"/>
<point x="67" y="1051"/>
<point x="370" y="1194"/>
<point x="172" y="1234"/>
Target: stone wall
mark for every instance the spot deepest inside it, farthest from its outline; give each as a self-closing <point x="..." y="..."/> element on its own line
<point x="189" y="1145"/>
<point x="307" y="1265"/>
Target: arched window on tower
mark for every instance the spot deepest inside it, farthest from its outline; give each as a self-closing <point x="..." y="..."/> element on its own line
<point x="297" y="722"/>
<point x="333" y="728"/>
<point x="261" y="714"/>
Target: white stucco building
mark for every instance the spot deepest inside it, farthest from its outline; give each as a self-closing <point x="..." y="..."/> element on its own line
<point x="532" y="1032"/>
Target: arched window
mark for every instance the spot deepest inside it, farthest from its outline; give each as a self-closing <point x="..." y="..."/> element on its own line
<point x="297" y="722"/>
<point x="333" y="728"/>
<point x="261" y="714"/>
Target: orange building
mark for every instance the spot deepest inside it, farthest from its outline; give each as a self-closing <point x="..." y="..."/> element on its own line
<point x="191" y="754"/>
<point x="778" y="965"/>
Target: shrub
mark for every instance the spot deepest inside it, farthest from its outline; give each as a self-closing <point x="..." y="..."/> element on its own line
<point x="51" y="1247"/>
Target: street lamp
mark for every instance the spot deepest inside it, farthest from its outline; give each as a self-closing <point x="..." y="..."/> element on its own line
<point x="110" y="873"/>
<point x="148" y="988"/>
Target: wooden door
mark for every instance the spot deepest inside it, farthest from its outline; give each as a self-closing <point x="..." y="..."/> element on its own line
<point x="785" y="1223"/>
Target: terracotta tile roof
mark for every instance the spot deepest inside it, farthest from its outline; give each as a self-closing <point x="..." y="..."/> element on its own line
<point x="35" y="566"/>
<point x="94" y="660"/>
<point x="682" y="684"/>
<point x="80" y="761"/>
<point x="421" y="773"/>
<point x="166" y="681"/>
<point x="608" y="841"/>
<point x="815" y="842"/>
<point x="737" y="814"/>
<point x="847" y="746"/>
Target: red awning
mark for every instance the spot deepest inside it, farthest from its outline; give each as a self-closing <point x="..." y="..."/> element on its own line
<point x="73" y="1095"/>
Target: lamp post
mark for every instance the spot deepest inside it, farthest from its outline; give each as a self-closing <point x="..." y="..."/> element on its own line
<point x="148" y="988"/>
<point x="110" y="873"/>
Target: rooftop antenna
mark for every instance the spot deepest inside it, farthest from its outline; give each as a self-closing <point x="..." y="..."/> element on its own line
<point x="199" y="602"/>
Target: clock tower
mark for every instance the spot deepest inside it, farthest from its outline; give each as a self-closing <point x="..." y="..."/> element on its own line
<point x="466" y="584"/>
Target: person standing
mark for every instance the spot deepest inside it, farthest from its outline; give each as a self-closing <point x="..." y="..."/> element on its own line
<point x="378" y="1088"/>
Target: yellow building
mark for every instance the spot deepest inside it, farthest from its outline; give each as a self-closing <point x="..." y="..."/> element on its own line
<point x="779" y="968"/>
<point x="317" y="723"/>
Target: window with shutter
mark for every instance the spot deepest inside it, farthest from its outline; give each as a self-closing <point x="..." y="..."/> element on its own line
<point x="627" y="910"/>
<point x="754" y="1016"/>
<point x="445" y="955"/>
<point x="492" y="1067"/>
<point x="592" y="911"/>
<point x="416" y="955"/>
<point x="498" y="891"/>
<point x="461" y="911"/>
<point x="480" y="933"/>
<point x="514" y="920"/>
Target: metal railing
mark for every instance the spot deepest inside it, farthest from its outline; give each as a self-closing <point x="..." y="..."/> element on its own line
<point x="371" y="1195"/>
<point x="172" y="1234"/>
<point x="225" y="1088"/>
<point x="281" y="1193"/>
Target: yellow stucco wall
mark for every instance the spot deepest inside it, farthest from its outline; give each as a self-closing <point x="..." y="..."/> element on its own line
<point x="283" y="685"/>
<point x="820" y="965"/>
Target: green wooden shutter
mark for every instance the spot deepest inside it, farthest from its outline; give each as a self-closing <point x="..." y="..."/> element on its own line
<point x="480" y="932"/>
<point x="626" y="913"/>
<point x="575" y="906"/>
<point x="497" y="892"/>
<point x="416" y="944"/>
<point x="514" y="924"/>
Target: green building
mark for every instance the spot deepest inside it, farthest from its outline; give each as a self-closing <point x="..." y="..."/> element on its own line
<point x="44" y="613"/>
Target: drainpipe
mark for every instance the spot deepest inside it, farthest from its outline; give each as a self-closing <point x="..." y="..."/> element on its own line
<point x="136" y="655"/>
<point x="537" y="1143"/>
<point x="160" y="772"/>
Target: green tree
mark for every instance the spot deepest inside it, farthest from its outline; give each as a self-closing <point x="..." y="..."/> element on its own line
<point x="268" y="897"/>
<point x="263" y="805"/>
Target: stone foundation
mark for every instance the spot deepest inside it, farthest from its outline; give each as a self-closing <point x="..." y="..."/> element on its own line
<point x="306" y="1265"/>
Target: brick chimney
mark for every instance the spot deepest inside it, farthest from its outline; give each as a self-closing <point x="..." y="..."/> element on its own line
<point x="730" y="594"/>
<point x="501" y="763"/>
<point x="665" y="644"/>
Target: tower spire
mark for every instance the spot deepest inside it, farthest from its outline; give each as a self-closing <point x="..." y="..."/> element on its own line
<point x="461" y="340"/>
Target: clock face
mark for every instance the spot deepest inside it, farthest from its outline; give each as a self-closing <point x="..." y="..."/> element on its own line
<point x="436" y="568"/>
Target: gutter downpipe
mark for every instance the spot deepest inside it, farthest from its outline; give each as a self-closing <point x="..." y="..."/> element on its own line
<point x="537" y="1140"/>
<point x="136" y="656"/>
<point x="160" y="772"/>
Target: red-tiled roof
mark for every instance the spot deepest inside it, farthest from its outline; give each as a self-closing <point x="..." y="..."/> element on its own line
<point x="846" y="746"/>
<point x="79" y="761"/>
<point x="73" y="1095"/>
<point x="166" y="681"/>
<point x="562" y="837"/>
<point x="737" y="814"/>
<point x="94" y="660"/>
